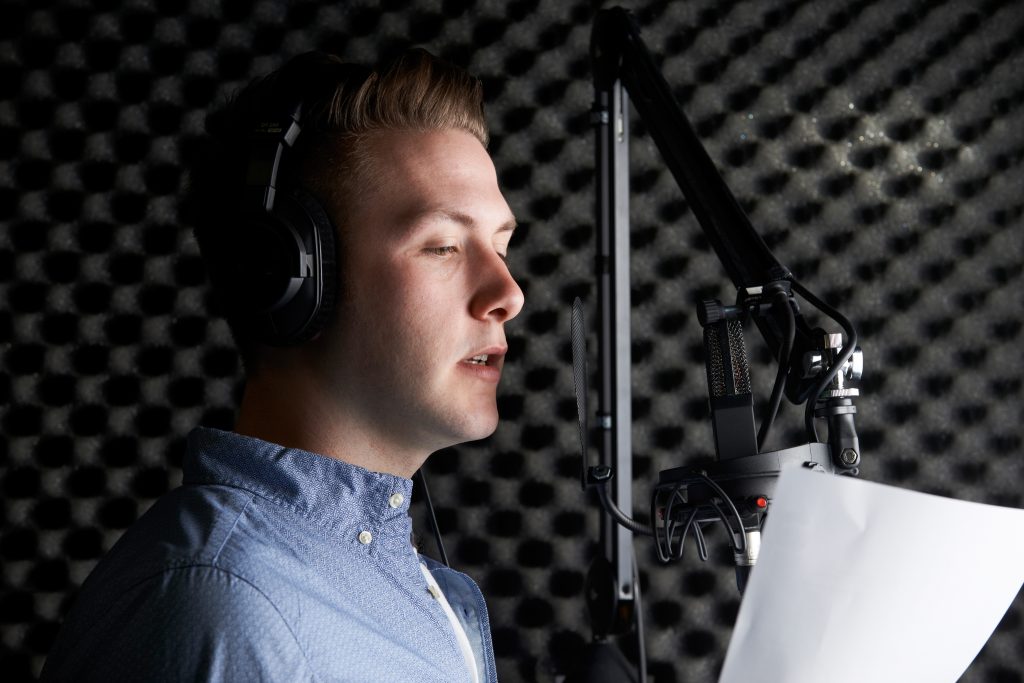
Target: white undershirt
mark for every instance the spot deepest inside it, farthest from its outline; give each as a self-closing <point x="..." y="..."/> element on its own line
<point x="460" y="633"/>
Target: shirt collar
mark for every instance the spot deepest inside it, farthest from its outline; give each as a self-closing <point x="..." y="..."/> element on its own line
<point x="331" y="492"/>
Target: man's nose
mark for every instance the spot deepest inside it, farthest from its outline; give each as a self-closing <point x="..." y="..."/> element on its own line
<point x="497" y="296"/>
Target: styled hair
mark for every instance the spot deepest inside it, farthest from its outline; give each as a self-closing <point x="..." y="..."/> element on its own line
<point x="343" y="103"/>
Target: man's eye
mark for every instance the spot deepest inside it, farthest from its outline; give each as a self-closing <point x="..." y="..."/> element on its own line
<point x="442" y="251"/>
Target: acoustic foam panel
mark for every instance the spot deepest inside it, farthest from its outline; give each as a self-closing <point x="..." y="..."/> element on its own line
<point x="876" y="146"/>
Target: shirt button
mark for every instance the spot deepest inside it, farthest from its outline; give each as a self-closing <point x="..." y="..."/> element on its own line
<point x="365" y="537"/>
<point x="396" y="500"/>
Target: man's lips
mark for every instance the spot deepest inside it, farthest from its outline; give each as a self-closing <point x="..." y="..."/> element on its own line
<point x="495" y="357"/>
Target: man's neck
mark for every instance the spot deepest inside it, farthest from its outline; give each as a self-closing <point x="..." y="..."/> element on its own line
<point x="289" y="409"/>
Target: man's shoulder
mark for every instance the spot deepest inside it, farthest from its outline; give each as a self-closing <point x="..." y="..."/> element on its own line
<point x="208" y="525"/>
<point x="210" y="615"/>
<point x="192" y="568"/>
<point x="179" y="538"/>
<point x="189" y="525"/>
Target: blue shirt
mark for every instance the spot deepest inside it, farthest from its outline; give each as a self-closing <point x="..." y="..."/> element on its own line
<point x="271" y="564"/>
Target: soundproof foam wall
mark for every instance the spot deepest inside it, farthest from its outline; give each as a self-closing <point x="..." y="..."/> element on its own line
<point x="876" y="146"/>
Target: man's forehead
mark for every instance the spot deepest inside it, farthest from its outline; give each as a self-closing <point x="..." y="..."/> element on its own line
<point x="416" y="178"/>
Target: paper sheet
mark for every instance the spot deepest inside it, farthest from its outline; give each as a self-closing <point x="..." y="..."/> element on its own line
<point x="859" y="582"/>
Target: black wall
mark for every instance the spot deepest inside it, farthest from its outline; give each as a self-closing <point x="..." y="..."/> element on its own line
<point x="877" y="147"/>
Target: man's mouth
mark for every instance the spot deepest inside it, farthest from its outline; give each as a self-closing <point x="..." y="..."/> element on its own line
<point x="488" y="357"/>
<point x="485" y="365"/>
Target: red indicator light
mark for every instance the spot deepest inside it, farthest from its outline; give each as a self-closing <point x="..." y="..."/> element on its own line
<point x="761" y="502"/>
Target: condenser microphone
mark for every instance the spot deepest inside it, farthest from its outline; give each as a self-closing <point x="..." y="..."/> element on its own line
<point x="731" y="399"/>
<point x="732" y="409"/>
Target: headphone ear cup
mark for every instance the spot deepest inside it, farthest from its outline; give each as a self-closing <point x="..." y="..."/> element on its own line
<point x="280" y="281"/>
<point x="327" y="271"/>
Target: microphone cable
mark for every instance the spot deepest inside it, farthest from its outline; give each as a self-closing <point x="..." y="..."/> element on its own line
<point x="781" y="299"/>
<point x="844" y="355"/>
<point x="421" y="481"/>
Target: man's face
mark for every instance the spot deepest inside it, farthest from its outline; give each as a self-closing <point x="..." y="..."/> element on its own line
<point x="424" y="291"/>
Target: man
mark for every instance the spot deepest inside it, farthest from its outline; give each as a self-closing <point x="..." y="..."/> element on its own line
<point x="286" y="554"/>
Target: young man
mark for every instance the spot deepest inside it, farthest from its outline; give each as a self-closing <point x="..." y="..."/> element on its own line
<point x="286" y="554"/>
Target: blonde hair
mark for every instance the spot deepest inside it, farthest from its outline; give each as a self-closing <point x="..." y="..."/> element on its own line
<point x="416" y="91"/>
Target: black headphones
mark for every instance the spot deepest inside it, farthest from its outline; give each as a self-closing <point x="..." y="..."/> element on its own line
<point x="281" y="270"/>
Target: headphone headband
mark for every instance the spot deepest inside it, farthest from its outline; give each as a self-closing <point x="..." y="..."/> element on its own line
<point x="268" y="140"/>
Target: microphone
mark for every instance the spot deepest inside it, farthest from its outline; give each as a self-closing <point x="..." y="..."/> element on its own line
<point x="728" y="372"/>
<point x="737" y="488"/>
<point x="732" y="409"/>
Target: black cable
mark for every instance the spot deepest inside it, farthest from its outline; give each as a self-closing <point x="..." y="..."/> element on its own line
<point x="851" y="342"/>
<point x="691" y="522"/>
<point x="728" y="527"/>
<point x="724" y="496"/>
<point x="664" y="554"/>
<point x="670" y="524"/>
<point x="702" y="544"/>
<point x="845" y="353"/>
<point x="671" y="528"/>
<point x="665" y="537"/>
<point x="780" y="378"/>
<point x="422" y="480"/>
<point x="620" y="517"/>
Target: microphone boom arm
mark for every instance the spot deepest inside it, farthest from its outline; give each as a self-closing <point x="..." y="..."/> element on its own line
<point x="624" y="69"/>
<point x="737" y="488"/>
<point x="622" y="62"/>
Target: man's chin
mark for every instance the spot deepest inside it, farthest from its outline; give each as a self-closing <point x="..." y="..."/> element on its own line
<point x="475" y="428"/>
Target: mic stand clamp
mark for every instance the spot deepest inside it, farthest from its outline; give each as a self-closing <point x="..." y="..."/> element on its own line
<point x="836" y="403"/>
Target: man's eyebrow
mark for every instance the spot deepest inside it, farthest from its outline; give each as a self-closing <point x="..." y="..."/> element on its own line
<point x="461" y="218"/>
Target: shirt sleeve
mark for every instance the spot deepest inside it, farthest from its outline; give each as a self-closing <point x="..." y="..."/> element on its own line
<point x="198" y="623"/>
